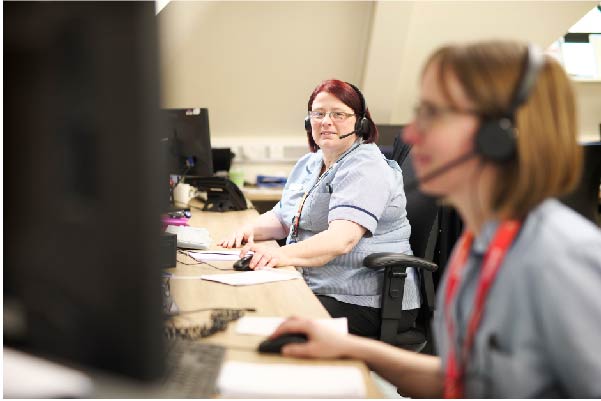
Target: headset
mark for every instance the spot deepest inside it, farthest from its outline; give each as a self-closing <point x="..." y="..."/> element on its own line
<point x="496" y="137"/>
<point x="361" y="125"/>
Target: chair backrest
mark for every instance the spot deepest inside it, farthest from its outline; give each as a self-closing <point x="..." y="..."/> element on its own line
<point x="422" y="212"/>
<point x="421" y="208"/>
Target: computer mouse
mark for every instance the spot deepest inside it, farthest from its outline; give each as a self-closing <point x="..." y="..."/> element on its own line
<point x="274" y="346"/>
<point x="243" y="263"/>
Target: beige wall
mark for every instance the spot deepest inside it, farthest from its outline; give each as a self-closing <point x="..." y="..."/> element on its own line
<point x="254" y="64"/>
<point x="588" y="95"/>
<point x="429" y="24"/>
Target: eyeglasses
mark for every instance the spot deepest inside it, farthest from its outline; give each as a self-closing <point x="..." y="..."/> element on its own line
<point x="426" y="114"/>
<point x="334" y="115"/>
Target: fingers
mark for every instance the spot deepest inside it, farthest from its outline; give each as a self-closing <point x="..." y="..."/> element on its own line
<point x="228" y="242"/>
<point x="237" y="239"/>
<point x="260" y="260"/>
<point x="292" y="325"/>
<point x="272" y="263"/>
<point x="245" y="249"/>
<point x="306" y="350"/>
<point x="303" y="350"/>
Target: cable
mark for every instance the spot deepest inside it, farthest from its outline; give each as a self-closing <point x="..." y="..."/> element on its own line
<point x="179" y="313"/>
<point x="199" y="262"/>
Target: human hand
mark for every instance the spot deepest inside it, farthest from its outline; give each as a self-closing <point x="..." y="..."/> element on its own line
<point x="245" y="235"/>
<point x="264" y="256"/>
<point x="323" y="342"/>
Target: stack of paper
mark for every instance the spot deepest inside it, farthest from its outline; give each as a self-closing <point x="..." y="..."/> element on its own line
<point x="253" y="380"/>
<point x="253" y="277"/>
<point x="27" y="376"/>
<point x="205" y="256"/>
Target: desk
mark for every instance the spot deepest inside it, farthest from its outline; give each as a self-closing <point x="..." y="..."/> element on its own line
<point x="283" y="298"/>
<point x="262" y="194"/>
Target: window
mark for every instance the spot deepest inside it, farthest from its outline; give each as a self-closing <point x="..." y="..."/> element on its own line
<point x="580" y="49"/>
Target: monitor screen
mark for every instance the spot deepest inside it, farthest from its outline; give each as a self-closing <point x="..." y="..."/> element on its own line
<point x="188" y="141"/>
<point x="82" y="184"/>
<point x="386" y="135"/>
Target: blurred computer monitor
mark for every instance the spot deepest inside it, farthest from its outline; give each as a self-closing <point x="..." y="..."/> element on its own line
<point x="82" y="184"/>
<point x="386" y="135"/>
<point x="222" y="159"/>
<point x="188" y="140"/>
<point x="585" y="197"/>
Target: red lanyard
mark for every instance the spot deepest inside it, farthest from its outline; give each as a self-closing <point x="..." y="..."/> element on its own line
<point x="454" y="380"/>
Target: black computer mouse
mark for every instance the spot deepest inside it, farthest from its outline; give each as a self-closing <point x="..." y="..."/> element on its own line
<point x="274" y="346"/>
<point x="243" y="263"/>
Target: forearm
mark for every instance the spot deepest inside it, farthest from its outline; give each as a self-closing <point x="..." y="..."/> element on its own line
<point x="416" y="375"/>
<point x="322" y="247"/>
<point x="267" y="226"/>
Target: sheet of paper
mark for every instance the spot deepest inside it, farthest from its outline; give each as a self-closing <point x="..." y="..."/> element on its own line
<point x="207" y="256"/>
<point x="27" y="376"/>
<point x="177" y="277"/>
<point x="264" y="326"/>
<point x="254" y="380"/>
<point x="253" y="277"/>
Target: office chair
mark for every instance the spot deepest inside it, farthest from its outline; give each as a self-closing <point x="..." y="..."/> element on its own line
<point x="422" y="212"/>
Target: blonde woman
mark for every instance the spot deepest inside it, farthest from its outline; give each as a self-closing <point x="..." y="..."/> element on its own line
<point x="519" y="305"/>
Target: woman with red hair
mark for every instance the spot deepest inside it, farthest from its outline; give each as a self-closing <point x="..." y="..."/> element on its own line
<point x="342" y="202"/>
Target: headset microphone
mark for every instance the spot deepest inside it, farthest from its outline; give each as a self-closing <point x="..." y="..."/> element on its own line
<point x="345" y="135"/>
<point x="411" y="186"/>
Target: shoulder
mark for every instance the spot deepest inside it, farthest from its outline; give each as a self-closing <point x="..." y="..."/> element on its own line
<point x="306" y="164"/>
<point x="369" y="156"/>
<point x="559" y="225"/>
<point x="554" y="237"/>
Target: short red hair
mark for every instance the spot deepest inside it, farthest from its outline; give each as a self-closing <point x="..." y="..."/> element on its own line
<point x="348" y="95"/>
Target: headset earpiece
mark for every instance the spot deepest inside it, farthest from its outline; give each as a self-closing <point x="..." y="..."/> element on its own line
<point x="308" y="125"/>
<point x="362" y="124"/>
<point x="496" y="138"/>
<point x="362" y="127"/>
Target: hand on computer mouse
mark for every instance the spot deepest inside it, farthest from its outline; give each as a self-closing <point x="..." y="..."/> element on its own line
<point x="243" y="264"/>
<point x="274" y="345"/>
<point x="322" y="341"/>
<point x="266" y="256"/>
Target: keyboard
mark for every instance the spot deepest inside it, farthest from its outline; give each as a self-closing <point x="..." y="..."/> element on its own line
<point x="190" y="237"/>
<point x="192" y="369"/>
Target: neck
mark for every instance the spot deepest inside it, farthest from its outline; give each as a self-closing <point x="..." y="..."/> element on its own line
<point x="473" y="200"/>
<point x="330" y="156"/>
<point x="328" y="161"/>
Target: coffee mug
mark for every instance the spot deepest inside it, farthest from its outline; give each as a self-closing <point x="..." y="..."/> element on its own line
<point x="182" y="193"/>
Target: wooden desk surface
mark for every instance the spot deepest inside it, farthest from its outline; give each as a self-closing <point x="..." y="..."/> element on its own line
<point x="285" y="298"/>
<point x="262" y="194"/>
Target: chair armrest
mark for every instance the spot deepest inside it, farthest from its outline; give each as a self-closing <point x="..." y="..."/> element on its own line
<point x="389" y="259"/>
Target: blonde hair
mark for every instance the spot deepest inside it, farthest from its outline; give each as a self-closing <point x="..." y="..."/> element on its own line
<point x="548" y="161"/>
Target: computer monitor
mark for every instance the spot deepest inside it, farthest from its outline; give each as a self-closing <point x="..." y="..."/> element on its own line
<point x="222" y="159"/>
<point x="188" y="140"/>
<point x="386" y="135"/>
<point x="82" y="184"/>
